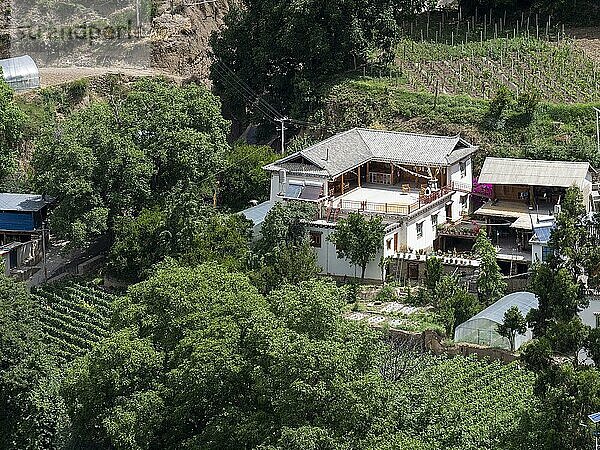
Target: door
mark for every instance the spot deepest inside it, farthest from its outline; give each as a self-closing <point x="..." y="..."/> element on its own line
<point x="449" y="212"/>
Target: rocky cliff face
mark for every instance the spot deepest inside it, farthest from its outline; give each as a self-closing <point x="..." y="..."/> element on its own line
<point x="170" y="36"/>
<point x="182" y="33"/>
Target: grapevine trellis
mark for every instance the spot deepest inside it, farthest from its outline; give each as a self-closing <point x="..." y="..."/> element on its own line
<point x="477" y="399"/>
<point x="74" y="317"/>
<point x="559" y="71"/>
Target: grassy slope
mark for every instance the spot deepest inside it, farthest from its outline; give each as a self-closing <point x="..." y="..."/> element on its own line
<point x="562" y="132"/>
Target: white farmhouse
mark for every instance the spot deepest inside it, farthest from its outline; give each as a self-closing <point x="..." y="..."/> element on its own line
<point x="413" y="181"/>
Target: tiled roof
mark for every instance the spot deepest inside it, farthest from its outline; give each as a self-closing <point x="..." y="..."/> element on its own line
<point x="354" y="147"/>
<point x="531" y="172"/>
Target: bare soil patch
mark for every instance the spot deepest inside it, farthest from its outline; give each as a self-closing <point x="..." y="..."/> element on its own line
<point x="588" y="39"/>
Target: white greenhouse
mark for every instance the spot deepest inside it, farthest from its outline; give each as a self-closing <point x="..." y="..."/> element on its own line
<point x="481" y="329"/>
<point x="21" y="73"/>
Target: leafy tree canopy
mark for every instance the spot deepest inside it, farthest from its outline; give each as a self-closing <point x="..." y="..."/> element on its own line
<point x="115" y="157"/>
<point x="358" y="239"/>
<point x="203" y="360"/>
<point x="285" y="50"/>
<point x="512" y="324"/>
<point x="490" y="284"/>
<point x="12" y="123"/>
<point x="244" y="178"/>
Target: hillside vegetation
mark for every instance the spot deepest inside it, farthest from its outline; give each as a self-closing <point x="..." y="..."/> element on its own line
<point x="559" y="72"/>
<point x="547" y="131"/>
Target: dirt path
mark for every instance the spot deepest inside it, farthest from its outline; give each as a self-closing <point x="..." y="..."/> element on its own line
<point x="588" y="39"/>
<point x="52" y="76"/>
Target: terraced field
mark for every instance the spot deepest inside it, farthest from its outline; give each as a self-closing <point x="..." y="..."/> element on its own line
<point x="75" y="315"/>
<point x="560" y="72"/>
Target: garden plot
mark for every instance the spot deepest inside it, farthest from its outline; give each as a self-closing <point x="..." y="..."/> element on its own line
<point x="395" y="315"/>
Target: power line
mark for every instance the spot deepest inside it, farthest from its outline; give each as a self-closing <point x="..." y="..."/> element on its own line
<point x="248" y="89"/>
<point x="245" y="95"/>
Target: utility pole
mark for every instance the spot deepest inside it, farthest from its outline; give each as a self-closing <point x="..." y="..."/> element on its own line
<point x="44" y="251"/>
<point x="597" y="127"/>
<point x="282" y="121"/>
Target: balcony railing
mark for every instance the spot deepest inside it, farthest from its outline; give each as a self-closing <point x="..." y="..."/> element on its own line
<point x="395" y="208"/>
<point x="384" y="208"/>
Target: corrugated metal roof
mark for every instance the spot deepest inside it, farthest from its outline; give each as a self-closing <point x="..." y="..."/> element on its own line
<point x="525" y="301"/>
<point x="258" y="213"/>
<point x="531" y="172"/>
<point x="354" y="147"/>
<point x="22" y="202"/>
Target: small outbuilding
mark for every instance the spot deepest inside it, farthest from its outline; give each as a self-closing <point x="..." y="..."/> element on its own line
<point x="257" y="215"/>
<point x="481" y="329"/>
<point x="22" y="214"/>
<point x="21" y="73"/>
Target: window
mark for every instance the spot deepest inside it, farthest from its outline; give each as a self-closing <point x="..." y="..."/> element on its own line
<point x="597" y="320"/>
<point x="434" y="221"/>
<point x="546" y="252"/>
<point x="419" y="230"/>
<point x="463" y="202"/>
<point x="463" y="169"/>
<point x="388" y="244"/>
<point x="315" y="239"/>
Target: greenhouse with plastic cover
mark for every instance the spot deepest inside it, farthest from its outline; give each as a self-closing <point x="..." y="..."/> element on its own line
<point x="482" y="328"/>
<point x="21" y="73"/>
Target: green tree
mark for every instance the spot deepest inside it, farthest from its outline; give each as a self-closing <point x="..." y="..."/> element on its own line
<point x="455" y="304"/>
<point x="139" y="243"/>
<point x="568" y="337"/>
<point x="114" y="158"/>
<point x="244" y="179"/>
<point x="202" y="360"/>
<point x="113" y="393"/>
<point x="512" y="324"/>
<point x="307" y="42"/>
<point x="12" y="123"/>
<point x="358" y="239"/>
<point x="567" y="395"/>
<point x="592" y="345"/>
<point x="434" y="269"/>
<point x="289" y="263"/>
<point x="490" y="283"/>
<point x="495" y="115"/>
<point x="569" y="238"/>
<point x="559" y="297"/>
<point x="285" y="224"/>
<point x="283" y="253"/>
<point x="31" y="411"/>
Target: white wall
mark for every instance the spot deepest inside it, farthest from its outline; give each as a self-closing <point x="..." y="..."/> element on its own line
<point x="536" y="252"/>
<point x="332" y="265"/>
<point x="454" y="174"/>
<point x="429" y="231"/>
<point x="587" y="315"/>
<point x="276" y="187"/>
